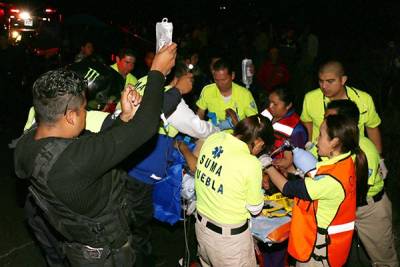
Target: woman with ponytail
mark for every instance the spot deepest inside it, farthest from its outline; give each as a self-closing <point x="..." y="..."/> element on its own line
<point x="324" y="209"/>
<point x="374" y="209"/>
<point x="342" y="127"/>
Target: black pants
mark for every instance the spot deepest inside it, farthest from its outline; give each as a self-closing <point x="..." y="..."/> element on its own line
<point x="357" y="256"/>
<point x="140" y="203"/>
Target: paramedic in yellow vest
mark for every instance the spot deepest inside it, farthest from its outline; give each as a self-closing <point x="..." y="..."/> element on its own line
<point x="332" y="80"/>
<point x="324" y="209"/>
<point x="374" y="216"/>
<point x="125" y="62"/>
<point x="149" y="164"/>
<point x="228" y="189"/>
<point x="224" y="94"/>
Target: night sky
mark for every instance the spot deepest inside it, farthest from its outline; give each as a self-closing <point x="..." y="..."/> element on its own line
<point x="343" y="19"/>
<point x="327" y="17"/>
<point x="337" y="17"/>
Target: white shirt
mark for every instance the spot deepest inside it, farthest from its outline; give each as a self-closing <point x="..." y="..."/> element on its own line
<point x="187" y="122"/>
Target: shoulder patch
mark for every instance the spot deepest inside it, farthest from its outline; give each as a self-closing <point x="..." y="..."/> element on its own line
<point x="318" y="177"/>
<point x="217" y="152"/>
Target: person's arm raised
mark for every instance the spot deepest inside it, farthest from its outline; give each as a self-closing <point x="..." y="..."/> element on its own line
<point x="164" y="60"/>
<point x="103" y="151"/>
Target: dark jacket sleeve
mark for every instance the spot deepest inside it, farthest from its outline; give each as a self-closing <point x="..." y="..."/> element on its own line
<point x="296" y="188"/>
<point x="172" y="98"/>
<point x="94" y="154"/>
<point x="108" y="122"/>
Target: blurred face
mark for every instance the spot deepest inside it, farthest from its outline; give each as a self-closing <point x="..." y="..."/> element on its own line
<point x="223" y="80"/>
<point x="185" y="83"/>
<point x="258" y="146"/>
<point x="125" y="64"/>
<point x="274" y="54"/>
<point x="332" y="85"/>
<point x="325" y="145"/>
<point x="194" y="59"/>
<point x="277" y="107"/>
<point x="148" y="59"/>
<point x="87" y="49"/>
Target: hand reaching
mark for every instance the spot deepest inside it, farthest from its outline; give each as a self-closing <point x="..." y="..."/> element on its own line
<point x="178" y="144"/>
<point x="383" y="171"/>
<point x="130" y="102"/>
<point x="265" y="160"/>
<point x="164" y="60"/>
<point x="283" y="163"/>
<point x="185" y="83"/>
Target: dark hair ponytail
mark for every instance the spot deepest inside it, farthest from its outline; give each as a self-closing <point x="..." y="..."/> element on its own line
<point x="362" y="176"/>
<point x="346" y="130"/>
<point x="253" y="127"/>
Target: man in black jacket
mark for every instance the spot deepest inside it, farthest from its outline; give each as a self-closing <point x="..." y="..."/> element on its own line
<point x="71" y="171"/>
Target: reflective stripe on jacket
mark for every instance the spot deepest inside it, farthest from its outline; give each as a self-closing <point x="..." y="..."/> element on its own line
<point x="283" y="129"/>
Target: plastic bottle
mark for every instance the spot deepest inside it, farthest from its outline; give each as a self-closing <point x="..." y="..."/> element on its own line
<point x="304" y="160"/>
<point x="247" y="74"/>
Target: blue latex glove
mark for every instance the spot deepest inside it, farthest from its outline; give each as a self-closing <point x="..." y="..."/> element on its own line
<point x="226" y="124"/>
<point x="187" y="140"/>
<point x="213" y="117"/>
<point x="304" y="160"/>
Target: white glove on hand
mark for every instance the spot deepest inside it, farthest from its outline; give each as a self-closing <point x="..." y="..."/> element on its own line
<point x="309" y="145"/>
<point x="383" y="171"/>
<point x="187" y="191"/>
<point x="265" y="160"/>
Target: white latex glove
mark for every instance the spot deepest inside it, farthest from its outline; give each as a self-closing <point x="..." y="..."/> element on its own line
<point x="383" y="171"/>
<point x="265" y="160"/>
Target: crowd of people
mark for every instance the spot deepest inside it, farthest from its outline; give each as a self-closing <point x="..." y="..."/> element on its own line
<point x="93" y="155"/>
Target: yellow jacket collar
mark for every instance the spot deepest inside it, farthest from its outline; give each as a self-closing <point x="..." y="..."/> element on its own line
<point x="327" y="161"/>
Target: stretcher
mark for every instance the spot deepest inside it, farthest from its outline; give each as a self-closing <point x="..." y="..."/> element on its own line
<point x="273" y="224"/>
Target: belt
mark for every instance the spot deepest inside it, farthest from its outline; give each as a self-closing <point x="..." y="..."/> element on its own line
<point x="218" y="229"/>
<point x="375" y="198"/>
<point x="89" y="252"/>
<point x="94" y="253"/>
